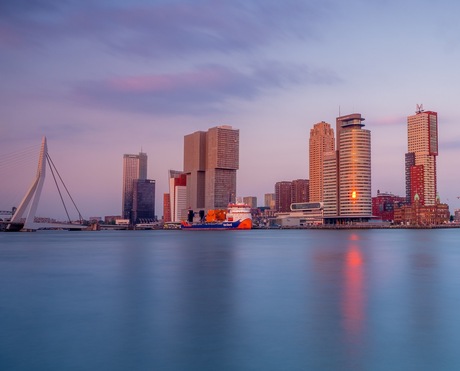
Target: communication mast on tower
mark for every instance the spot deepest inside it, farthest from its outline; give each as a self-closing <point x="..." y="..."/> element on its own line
<point x="419" y="108"/>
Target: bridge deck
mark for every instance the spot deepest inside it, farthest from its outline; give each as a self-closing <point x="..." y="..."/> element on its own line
<point x="35" y="226"/>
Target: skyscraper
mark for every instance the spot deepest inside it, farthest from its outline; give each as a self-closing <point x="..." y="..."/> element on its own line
<point x="134" y="167"/>
<point x="349" y="172"/>
<point x="321" y="142"/>
<point x="195" y="168"/>
<point x="422" y="145"/>
<point x="211" y="160"/>
<point x="222" y="162"/>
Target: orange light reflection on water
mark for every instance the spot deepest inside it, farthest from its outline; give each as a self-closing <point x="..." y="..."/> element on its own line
<point x="353" y="300"/>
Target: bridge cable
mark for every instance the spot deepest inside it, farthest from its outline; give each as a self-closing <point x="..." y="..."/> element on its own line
<point x="51" y="163"/>
<point x="59" y="190"/>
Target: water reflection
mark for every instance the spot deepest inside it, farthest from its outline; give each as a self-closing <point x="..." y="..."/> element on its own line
<point x="353" y="299"/>
<point x="256" y="300"/>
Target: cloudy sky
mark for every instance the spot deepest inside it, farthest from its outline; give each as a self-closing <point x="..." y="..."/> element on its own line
<point x="104" y="78"/>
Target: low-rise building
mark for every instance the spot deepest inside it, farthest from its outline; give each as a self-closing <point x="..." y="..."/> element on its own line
<point x="383" y="205"/>
<point x="302" y="214"/>
<point x="422" y="215"/>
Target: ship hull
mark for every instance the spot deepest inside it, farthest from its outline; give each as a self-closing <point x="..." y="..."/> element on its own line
<point x="227" y="225"/>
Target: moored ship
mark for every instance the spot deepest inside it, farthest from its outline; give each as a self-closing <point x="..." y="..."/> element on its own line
<point x="236" y="216"/>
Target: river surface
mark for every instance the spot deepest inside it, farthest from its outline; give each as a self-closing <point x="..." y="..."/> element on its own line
<point x="230" y="300"/>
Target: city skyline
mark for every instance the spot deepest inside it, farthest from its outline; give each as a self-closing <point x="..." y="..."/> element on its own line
<point x="100" y="79"/>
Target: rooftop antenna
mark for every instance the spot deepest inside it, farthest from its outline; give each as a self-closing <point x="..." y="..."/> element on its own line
<point x="419" y="108"/>
<point x="339" y="110"/>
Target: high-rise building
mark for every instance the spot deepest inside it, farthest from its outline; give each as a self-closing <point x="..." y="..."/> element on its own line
<point x="269" y="200"/>
<point x="211" y="160"/>
<point x="300" y="190"/>
<point x="283" y="196"/>
<point x="222" y="162"/>
<point x="195" y="168"/>
<point x="143" y="201"/>
<point x="351" y="175"/>
<point x="422" y="145"/>
<point x="134" y="167"/>
<point x="321" y="142"/>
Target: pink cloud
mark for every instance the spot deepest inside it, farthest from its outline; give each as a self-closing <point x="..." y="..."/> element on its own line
<point x="203" y="89"/>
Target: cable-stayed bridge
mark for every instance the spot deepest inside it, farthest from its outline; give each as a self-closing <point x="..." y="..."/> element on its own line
<point x="23" y="217"/>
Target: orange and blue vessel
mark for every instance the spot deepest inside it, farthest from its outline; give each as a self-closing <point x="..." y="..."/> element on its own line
<point x="236" y="216"/>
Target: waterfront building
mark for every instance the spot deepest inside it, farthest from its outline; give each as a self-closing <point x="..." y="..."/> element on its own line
<point x="384" y="204"/>
<point x="211" y="160"/>
<point x="251" y="201"/>
<point x="270" y="200"/>
<point x="283" y="196"/>
<point x="347" y="173"/>
<point x="111" y="219"/>
<point x="417" y="214"/>
<point x="301" y="214"/>
<point x="143" y="201"/>
<point x="300" y="190"/>
<point x="422" y="145"/>
<point x="321" y="142"/>
<point x="134" y="167"/>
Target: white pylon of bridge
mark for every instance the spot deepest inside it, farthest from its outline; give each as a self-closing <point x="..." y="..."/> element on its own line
<point x="32" y="196"/>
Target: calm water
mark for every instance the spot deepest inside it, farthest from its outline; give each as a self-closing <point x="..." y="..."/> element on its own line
<point x="246" y="300"/>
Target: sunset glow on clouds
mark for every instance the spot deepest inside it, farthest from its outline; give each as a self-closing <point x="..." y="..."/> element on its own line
<point x="104" y="78"/>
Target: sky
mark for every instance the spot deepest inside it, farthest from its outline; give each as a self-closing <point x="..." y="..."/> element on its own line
<point x="103" y="78"/>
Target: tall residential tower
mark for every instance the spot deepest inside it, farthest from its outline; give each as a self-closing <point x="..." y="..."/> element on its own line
<point x="347" y="173"/>
<point x="422" y="145"/>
